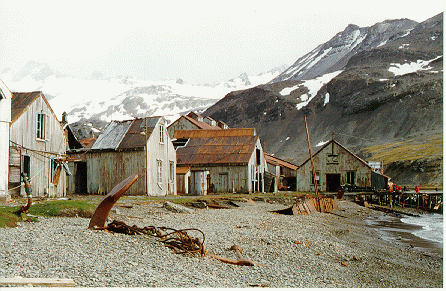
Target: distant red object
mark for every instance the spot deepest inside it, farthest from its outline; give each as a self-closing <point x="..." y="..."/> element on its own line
<point x="417" y="189"/>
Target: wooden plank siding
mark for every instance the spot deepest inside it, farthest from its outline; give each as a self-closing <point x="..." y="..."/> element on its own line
<point x="107" y="169"/>
<point x="346" y="162"/>
<point x="23" y="136"/>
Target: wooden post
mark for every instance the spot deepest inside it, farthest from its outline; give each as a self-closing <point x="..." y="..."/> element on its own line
<point x="316" y="192"/>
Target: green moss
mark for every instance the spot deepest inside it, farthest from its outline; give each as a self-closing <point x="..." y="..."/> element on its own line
<point x="62" y="208"/>
<point x="9" y="217"/>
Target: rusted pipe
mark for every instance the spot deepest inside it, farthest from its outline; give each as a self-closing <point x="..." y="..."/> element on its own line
<point x="242" y="261"/>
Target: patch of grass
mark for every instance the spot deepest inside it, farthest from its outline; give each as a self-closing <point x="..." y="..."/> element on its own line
<point x="63" y="208"/>
<point x="407" y="151"/>
<point x="8" y="216"/>
<point x="67" y="208"/>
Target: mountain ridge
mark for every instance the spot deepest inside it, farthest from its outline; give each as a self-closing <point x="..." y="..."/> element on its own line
<point x="388" y="94"/>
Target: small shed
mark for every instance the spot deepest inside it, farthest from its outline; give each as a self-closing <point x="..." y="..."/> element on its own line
<point x="335" y="166"/>
<point x="231" y="160"/>
<point x="138" y="146"/>
<point x="37" y="146"/>
<point x="284" y="173"/>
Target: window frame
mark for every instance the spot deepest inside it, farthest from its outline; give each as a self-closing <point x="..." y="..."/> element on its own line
<point x="348" y="177"/>
<point x="172" y="171"/>
<point x="41" y="126"/>
<point x="161" y="129"/>
<point x="318" y="175"/>
<point x="159" y="172"/>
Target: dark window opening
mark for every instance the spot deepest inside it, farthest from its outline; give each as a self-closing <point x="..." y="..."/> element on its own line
<point x="27" y="166"/>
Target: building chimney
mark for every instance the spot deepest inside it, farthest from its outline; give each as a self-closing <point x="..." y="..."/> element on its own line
<point x="64" y="117"/>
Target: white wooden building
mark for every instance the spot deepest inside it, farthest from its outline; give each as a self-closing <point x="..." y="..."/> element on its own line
<point x="5" y="121"/>
<point x="139" y="146"/>
<point x="37" y="146"/>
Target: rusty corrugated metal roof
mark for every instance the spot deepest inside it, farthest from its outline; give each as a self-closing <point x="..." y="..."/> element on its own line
<point x="208" y="150"/>
<point x="182" y="170"/>
<point x="273" y="160"/>
<point x="200" y="133"/>
<point x="127" y="134"/>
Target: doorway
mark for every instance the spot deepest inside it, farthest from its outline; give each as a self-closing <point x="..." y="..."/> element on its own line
<point x="333" y="182"/>
<point x="224" y="182"/>
<point x="80" y="178"/>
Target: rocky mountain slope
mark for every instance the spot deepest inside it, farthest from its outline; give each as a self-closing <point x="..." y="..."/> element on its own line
<point x="376" y="90"/>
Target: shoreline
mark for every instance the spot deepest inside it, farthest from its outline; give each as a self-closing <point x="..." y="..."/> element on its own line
<point x="319" y="250"/>
<point x="394" y="230"/>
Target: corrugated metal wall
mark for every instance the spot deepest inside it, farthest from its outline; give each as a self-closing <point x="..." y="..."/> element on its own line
<point x="107" y="169"/>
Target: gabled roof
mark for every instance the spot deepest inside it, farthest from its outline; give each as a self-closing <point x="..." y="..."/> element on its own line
<point x="73" y="142"/>
<point x="273" y="160"/>
<point x="200" y="124"/>
<point x="199" y="133"/>
<point x="21" y="101"/>
<point x="347" y="150"/>
<point x="214" y="147"/>
<point x="127" y="134"/>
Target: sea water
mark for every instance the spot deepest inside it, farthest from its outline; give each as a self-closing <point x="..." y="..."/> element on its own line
<point x="432" y="226"/>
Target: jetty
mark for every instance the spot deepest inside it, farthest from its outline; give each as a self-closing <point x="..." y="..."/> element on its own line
<point x="431" y="201"/>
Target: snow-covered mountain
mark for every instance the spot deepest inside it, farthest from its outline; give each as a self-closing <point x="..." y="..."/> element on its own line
<point x="377" y="90"/>
<point x="333" y="55"/>
<point x="123" y="97"/>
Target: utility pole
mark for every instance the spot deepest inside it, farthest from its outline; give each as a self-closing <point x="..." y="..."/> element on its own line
<point x="316" y="192"/>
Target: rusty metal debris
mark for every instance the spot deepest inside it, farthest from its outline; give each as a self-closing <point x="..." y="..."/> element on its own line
<point x="177" y="240"/>
<point x="101" y="213"/>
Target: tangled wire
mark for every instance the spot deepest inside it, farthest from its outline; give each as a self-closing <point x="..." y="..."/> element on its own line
<point x="177" y="240"/>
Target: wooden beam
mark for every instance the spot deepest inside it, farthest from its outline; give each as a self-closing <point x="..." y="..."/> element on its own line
<point x="52" y="282"/>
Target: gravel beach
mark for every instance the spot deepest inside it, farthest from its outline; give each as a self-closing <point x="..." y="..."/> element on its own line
<point x="318" y="250"/>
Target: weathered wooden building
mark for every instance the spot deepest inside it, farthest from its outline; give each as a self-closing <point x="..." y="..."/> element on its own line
<point x="37" y="146"/>
<point x="139" y="146"/>
<point x="335" y="165"/>
<point x="284" y="174"/>
<point x="5" y="121"/>
<point x="229" y="160"/>
<point x="194" y="120"/>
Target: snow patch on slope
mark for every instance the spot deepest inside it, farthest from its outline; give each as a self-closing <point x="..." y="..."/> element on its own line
<point x="313" y="85"/>
<point x="412" y="67"/>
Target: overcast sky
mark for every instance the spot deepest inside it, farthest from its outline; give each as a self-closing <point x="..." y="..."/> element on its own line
<point x="198" y="41"/>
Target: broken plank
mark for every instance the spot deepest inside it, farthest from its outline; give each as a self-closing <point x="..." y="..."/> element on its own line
<point x="53" y="282"/>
